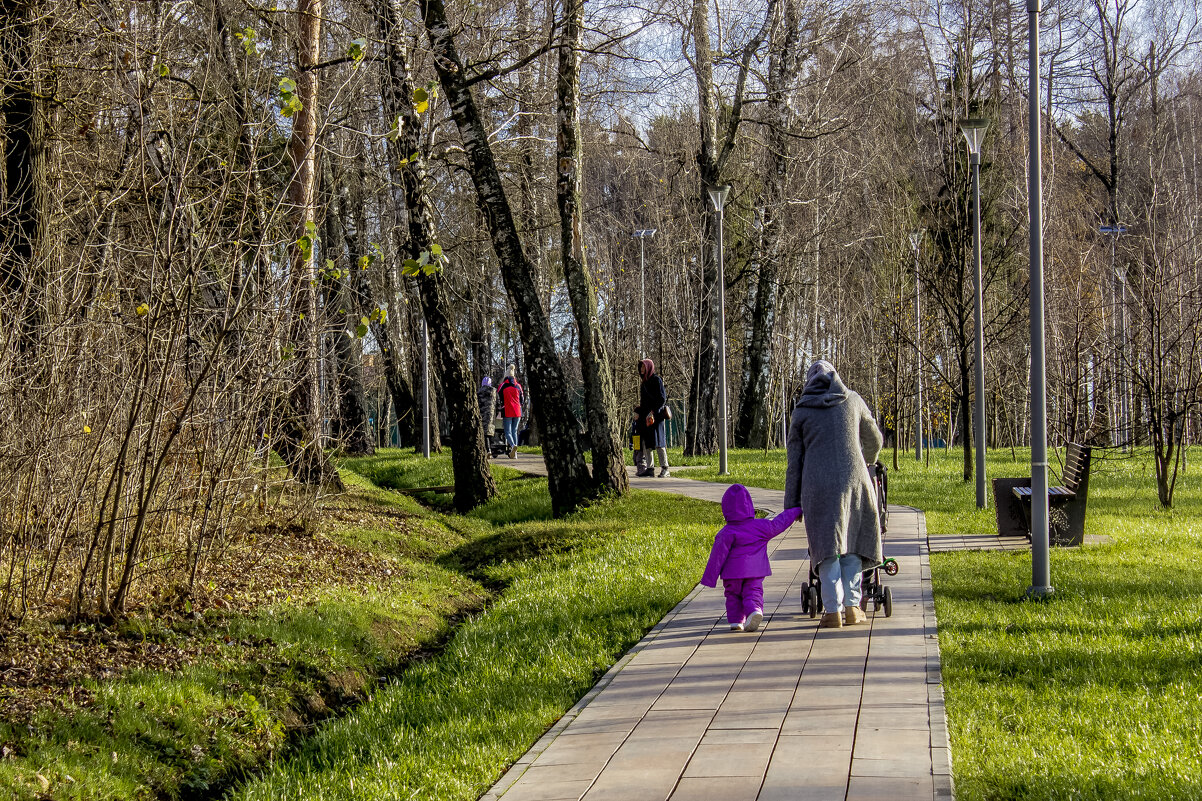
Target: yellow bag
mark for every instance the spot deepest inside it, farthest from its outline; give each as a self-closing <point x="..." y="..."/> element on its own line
<point x="637" y="444"/>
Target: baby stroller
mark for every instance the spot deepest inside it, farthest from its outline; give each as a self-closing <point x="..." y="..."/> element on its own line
<point x="497" y="445"/>
<point x="871" y="588"/>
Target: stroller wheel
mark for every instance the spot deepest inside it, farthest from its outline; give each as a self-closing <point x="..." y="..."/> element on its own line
<point x="888" y="602"/>
<point x="805" y="600"/>
<point x="811" y="596"/>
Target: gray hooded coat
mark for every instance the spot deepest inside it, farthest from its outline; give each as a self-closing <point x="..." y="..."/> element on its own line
<point x="832" y="438"/>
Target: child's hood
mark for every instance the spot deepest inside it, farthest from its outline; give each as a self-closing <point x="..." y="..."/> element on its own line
<point x="736" y="504"/>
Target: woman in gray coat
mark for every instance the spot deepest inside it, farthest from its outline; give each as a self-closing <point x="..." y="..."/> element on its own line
<point x="832" y="439"/>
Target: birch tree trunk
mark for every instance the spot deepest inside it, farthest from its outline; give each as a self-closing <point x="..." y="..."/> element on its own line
<point x="569" y="480"/>
<point x="701" y="433"/>
<point x="609" y="467"/>
<point x="299" y="438"/>
<point x="474" y="483"/>
<point x="783" y="65"/>
<point x="350" y="427"/>
<point x="23" y="182"/>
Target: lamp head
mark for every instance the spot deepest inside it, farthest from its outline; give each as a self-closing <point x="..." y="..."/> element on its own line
<point x="718" y="193"/>
<point x="974" y="129"/>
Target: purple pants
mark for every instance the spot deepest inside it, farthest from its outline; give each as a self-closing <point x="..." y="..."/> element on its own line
<point x="743" y="596"/>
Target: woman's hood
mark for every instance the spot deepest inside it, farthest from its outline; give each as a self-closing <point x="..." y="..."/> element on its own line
<point x="823" y="388"/>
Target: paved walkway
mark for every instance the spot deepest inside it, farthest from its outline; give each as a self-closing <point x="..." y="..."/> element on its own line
<point x="696" y="712"/>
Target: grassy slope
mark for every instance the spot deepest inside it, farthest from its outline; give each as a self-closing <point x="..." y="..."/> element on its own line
<point x="260" y="680"/>
<point x="579" y="592"/>
<point x="1091" y="695"/>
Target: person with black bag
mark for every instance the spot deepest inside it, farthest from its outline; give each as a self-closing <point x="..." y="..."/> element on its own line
<point x="650" y="413"/>
<point x="486" y="396"/>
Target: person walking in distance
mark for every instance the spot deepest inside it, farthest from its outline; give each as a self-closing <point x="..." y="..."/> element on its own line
<point x="832" y="440"/>
<point x="512" y="399"/>
<point x="486" y="396"/>
<point x="651" y="412"/>
<point x="740" y="557"/>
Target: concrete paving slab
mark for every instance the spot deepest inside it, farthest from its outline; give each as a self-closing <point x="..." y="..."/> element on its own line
<point x="712" y="788"/>
<point x="695" y="712"/>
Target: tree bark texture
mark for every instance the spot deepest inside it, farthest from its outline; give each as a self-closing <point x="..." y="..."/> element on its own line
<point x="569" y="479"/>
<point x="474" y="483"/>
<point x="609" y="466"/>
<point x="350" y="428"/>
<point x="784" y="63"/>
<point x="701" y="434"/>
<point x="22" y="214"/>
<point x="298" y="441"/>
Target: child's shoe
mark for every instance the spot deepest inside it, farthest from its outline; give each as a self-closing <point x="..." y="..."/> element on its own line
<point x="665" y="473"/>
<point x="753" y="621"/>
<point x="853" y="615"/>
<point x="736" y="626"/>
<point x="831" y="620"/>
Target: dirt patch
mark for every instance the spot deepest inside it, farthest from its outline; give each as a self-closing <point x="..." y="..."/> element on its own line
<point x="275" y="563"/>
<point x="43" y="662"/>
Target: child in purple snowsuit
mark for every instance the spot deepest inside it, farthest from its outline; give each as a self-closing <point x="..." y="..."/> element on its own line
<point x="740" y="557"/>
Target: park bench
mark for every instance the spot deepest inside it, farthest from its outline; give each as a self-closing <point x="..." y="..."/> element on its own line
<point x="1066" y="504"/>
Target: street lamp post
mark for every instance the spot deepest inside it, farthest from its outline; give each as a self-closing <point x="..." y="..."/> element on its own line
<point x="1123" y="434"/>
<point x="974" y="132"/>
<point x="641" y="235"/>
<point x="916" y="242"/>
<point x="1041" y="570"/>
<point x="718" y="198"/>
<point x="425" y="390"/>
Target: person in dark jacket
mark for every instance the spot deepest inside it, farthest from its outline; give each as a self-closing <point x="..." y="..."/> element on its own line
<point x="512" y="398"/>
<point x="650" y="416"/>
<point x="486" y="396"/>
<point x="832" y="440"/>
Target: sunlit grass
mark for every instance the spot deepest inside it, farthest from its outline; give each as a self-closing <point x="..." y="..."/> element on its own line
<point x="1090" y="695"/>
<point x="579" y="591"/>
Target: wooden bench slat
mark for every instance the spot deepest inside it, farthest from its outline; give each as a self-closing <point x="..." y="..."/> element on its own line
<point x="1025" y="492"/>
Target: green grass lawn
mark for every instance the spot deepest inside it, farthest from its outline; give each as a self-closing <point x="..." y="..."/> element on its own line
<point x="577" y="593"/>
<point x="483" y="632"/>
<point x="1090" y="695"/>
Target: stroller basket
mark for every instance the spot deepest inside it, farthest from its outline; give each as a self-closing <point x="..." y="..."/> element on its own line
<point x="872" y="590"/>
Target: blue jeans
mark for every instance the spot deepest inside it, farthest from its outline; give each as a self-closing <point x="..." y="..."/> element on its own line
<point x="511" y="430"/>
<point x="839" y="581"/>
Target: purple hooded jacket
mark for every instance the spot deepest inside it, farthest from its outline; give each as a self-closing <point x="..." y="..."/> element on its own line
<point x="741" y="547"/>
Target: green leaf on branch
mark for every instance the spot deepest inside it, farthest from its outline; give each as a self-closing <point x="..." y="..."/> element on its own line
<point x="290" y="104"/>
<point x="247" y="36"/>
<point x="421" y="100"/>
<point x="163" y="70"/>
<point x="410" y="267"/>
<point x="357" y="50"/>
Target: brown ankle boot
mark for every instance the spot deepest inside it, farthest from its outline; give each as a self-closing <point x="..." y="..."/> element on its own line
<point x="832" y="620"/>
<point x="853" y="615"/>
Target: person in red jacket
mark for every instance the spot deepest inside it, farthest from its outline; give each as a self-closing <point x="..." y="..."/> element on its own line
<point x="512" y="399"/>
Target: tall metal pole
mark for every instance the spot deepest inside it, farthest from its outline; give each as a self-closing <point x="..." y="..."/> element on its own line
<point x="916" y="240"/>
<point x="718" y="196"/>
<point x="642" y="300"/>
<point x="425" y="390"/>
<point x="1041" y="571"/>
<point x="1124" y="430"/>
<point x="979" y="406"/>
